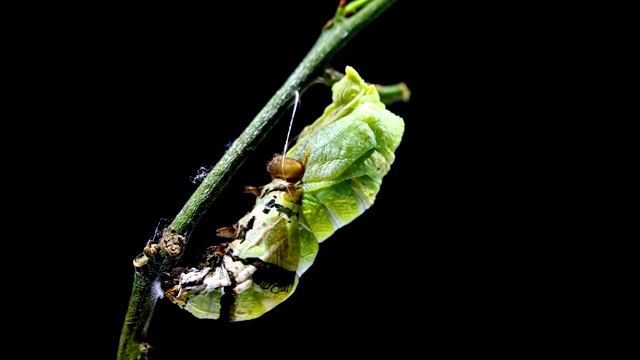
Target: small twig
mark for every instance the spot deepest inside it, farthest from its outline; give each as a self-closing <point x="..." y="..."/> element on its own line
<point x="389" y="94"/>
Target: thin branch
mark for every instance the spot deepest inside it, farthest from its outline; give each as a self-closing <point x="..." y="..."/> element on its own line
<point x="159" y="256"/>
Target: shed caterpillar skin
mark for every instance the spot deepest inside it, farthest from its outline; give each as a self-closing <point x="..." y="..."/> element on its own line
<point x="247" y="277"/>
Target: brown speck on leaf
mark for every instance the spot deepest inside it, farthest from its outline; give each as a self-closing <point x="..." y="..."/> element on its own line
<point x="255" y="190"/>
<point x="218" y="249"/>
<point x="228" y="232"/>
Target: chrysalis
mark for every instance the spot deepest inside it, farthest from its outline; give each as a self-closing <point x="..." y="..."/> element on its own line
<point x="327" y="179"/>
<point x="247" y="277"/>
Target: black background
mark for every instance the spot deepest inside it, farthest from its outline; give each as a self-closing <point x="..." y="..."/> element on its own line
<point x="151" y="95"/>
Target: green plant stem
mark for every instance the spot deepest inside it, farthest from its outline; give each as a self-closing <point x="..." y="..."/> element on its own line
<point x="161" y="256"/>
<point x="389" y="94"/>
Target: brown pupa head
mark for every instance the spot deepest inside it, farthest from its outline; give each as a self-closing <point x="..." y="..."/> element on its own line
<point x="290" y="169"/>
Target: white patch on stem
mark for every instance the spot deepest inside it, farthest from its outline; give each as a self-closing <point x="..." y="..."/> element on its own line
<point x="157" y="289"/>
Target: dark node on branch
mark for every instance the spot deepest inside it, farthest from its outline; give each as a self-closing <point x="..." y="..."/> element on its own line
<point x="172" y="242"/>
